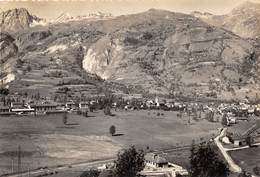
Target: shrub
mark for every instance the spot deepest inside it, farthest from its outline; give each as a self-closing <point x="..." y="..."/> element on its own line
<point x="147" y="36"/>
<point x="90" y="173"/>
<point x="131" y="41"/>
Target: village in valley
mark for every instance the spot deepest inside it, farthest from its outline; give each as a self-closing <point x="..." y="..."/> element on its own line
<point x="236" y="129"/>
<point x="168" y="92"/>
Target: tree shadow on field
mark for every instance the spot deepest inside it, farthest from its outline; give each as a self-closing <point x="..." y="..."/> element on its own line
<point x="66" y="127"/>
<point x="118" y="134"/>
<point x="90" y="116"/>
<point x="112" y="115"/>
<point x="254" y="146"/>
<point x="72" y="124"/>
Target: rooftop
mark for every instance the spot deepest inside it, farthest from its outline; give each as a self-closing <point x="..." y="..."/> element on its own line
<point x="240" y="129"/>
<point x="155" y="158"/>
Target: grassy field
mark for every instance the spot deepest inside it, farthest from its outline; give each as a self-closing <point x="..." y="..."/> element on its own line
<point x="247" y="158"/>
<point x="46" y="141"/>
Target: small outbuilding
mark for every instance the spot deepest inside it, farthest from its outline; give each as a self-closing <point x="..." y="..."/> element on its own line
<point x="155" y="161"/>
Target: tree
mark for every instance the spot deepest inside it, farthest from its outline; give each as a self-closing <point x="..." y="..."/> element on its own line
<point x="204" y="162"/>
<point x="249" y="140"/>
<point x="112" y="130"/>
<point x="129" y="163"/>
<point x="210" y="116"/>
<point x="107" y="110"/>
<point x="107" y="102"/>
<point x="29" y="68"/>
<point x="224" y="121"/>
<point x="90" y="173"/>
<point x="65" y="119"/>
<point x="86" y="113"/>
<point x="256" y="170"/>
<point x="4" y="91"/>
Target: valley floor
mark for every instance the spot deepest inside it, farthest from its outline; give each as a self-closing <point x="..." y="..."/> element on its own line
<point x="46" y="141"/>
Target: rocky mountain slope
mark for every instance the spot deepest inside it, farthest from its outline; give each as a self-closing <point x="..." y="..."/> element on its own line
<point x="156" y="52"/>
<point x="243" y="20"/>
<point x="168" y="52"/>
<point x="8" y="50"/>
<point x="18" y="19"/>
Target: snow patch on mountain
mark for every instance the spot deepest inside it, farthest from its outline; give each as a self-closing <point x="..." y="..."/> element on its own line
<point x="66" y="17"/>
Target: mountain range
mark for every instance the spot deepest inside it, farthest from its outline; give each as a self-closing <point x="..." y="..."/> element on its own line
<point x="154" y="52"/>
<point x="243" y="20"/>
<point x="66" y="17"/>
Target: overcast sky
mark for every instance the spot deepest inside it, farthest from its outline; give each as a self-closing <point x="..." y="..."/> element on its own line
<point x="51" y="9"/>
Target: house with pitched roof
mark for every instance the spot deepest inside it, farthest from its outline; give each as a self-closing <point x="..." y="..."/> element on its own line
<point x="241" y="133"/>
<point x="155" y="161"/>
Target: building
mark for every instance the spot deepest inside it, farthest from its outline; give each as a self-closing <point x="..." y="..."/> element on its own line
<point x="4" y="109"/>
<point x="71" y="105"/>
<point x="241" y="133"/>
<point x="44" y="107"/>
<point x="21" y="108"/>
<point x="155" y="161"/>
<point x="18" y="105"/>
<point x="83" y="105"/>
<point x="159" y="166"/>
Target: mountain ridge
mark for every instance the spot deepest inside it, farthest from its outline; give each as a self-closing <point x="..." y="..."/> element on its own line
<point x="17" y="19"/>
<point x="244" y="20"/>
<point x="153" y="52"/>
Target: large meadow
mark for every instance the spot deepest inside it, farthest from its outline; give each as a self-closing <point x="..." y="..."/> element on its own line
<point x="46" y="141"/>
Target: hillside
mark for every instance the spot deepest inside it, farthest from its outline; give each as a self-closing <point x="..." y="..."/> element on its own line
<point x="167" y="52"/>
<point x="243" y="20"/>
<point x="156" y="52"/>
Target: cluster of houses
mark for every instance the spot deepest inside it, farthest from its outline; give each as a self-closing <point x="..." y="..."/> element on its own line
<point x="231" y="109"/>
<point x="45" y="107"/>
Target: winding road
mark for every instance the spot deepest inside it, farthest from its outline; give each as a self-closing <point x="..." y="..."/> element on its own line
<point x="232" y="165"/>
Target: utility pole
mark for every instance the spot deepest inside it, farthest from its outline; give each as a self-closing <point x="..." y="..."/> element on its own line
<point x="28" y="170"/>
<point x="1" y="23"/>
<point x="12" y="165"/>
<point x="19" y="160"/>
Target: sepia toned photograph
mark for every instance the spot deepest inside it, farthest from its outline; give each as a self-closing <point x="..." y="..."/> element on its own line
<point x="130" y="88"/>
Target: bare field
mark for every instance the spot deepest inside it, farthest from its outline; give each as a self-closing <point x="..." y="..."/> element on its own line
<point x="46" y="141"/>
